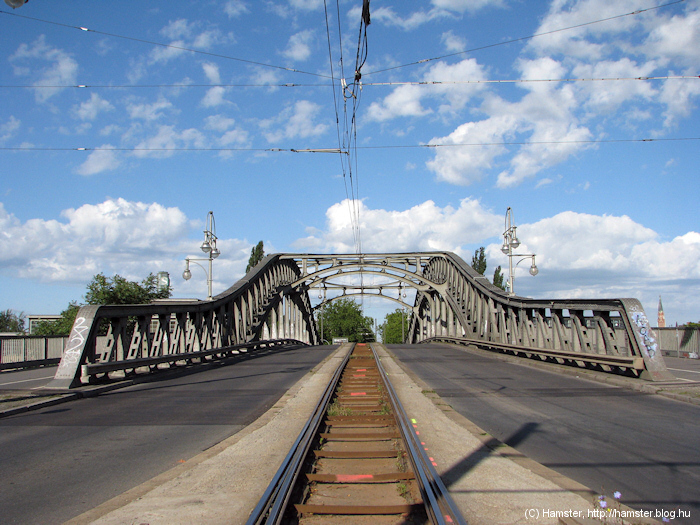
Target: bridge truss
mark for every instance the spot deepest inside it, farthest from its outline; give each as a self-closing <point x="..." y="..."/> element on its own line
<point x="272" y="305"/>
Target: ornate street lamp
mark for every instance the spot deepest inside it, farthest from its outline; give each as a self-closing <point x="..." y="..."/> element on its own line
<point x="511" y="242"/>
<point x="208" y="247"/>
<point x="14" y="4"/>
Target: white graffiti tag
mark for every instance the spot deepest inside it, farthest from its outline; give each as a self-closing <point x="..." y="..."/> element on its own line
<point x="75" y="344"/>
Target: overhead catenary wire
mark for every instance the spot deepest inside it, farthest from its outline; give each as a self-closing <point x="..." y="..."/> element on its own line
<point x="341" y="132"/>
<point x="364" y="84"/>
<point x="344" y="152"/>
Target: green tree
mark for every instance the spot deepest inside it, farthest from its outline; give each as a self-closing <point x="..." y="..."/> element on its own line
<point x="60" y="326"/>
<point x="391" y="329"/>
<point x="498" y="278"/>
<point x="106" y="290"/>
<point x="256" y="255"/>
<point x="11" y="321"/>
<point x="479" y="261"/>
<point x="343" y="318"/>
<point x="117" y="290"/>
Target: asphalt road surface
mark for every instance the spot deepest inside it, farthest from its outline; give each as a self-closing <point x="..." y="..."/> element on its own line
<point x="684" y="368"/>
<point x="607" y="438"/>
<point x="61" y="461"/>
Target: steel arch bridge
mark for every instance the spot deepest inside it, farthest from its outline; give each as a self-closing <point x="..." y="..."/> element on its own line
<point x="272" y="305"/>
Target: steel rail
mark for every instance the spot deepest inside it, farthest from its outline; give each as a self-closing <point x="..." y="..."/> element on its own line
<point x="440" y="506"/>
<point x="270" y="509"/>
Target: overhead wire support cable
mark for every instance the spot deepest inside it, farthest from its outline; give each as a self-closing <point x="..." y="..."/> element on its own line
<point x="344" y="83"/>
<point x="530" y="37"/>
<point x="348" y="153"/>
<point x="527" y="80"/>
<point x="161" y="44"/>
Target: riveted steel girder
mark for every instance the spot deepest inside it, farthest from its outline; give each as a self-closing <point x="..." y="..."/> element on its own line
<point x="452" y="303"/>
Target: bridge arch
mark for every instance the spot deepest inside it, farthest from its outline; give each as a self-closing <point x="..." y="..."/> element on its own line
<point x="452" y="303"/>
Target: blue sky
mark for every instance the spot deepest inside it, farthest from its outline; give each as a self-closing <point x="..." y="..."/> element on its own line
<point x="459" y="115"/>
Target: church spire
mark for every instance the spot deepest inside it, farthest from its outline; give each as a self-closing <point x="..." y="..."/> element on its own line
<point x="661" y="320"/>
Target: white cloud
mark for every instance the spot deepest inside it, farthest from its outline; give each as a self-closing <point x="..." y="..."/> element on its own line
<point x="583" y="42"/>
<point x="296" y="121"/>
<point x="590" y="256"/>
<point x="306" y="5"/>
<point x="115" y="229"/>
<point x="130" y="238"/>
<point x="149" y="112"/>
<point x="388" y="16"/>
<point x="677" y="39"/>
<point x="103" y="159"/>
<point x="212" y="72"/>
<point x="424" y="227"/>
<point x="215" y="95"/>
<point x="237" y="137"/>
<point x="453" y="43"/>
<point x="615" y="93"/>
<point x="461" y="160"/>
<point x="7" y="130"/>
<point x="164" y="143"/>
<point x="235" y="8"/>
<point x="178" y="29"/>
<point x="545" y="116"/>
<point x="89" y="109"/>
<point x="62" y="71"/>
<point x="461" y="6"/>
<point x="299" y="46"/>
<point x="408" y="100"/>
<point x="219" y="123"/>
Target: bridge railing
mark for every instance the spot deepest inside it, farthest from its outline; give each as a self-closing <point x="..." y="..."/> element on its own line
<point x="21" y="351"/>
<point x="260" y="307"/>
<point x="612" y="334"/>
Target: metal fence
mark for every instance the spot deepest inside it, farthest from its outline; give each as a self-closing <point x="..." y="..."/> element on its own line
<point x="21" y="351"/>
<point x="679" y="341"/>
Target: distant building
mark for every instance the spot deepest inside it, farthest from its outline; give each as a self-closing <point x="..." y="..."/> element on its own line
<point x="661" y="319"/>
<point x="34" y="320"/>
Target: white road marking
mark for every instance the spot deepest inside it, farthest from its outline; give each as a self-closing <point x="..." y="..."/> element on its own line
<point x="25" y="380"/>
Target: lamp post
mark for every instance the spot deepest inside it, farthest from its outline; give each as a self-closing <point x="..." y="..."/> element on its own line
<point x="510" y="243"/>
<point x="14" y="4"/>
<point x="208" y="247"/>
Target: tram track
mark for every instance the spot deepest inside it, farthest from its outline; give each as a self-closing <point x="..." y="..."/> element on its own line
<point x="358" y="459"/>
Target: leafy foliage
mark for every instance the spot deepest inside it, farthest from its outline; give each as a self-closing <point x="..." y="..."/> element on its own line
<point x="61" y="326"/>
<point x="106" y="290"/>
<point x="479" y="260"/>
<point x="499" y="278"/>
<point x="117" y="290"/>
<point x="343" y="318"/>
<point x="11" y="321"/>
<point x="391" y="329"/>
<point x="256" y="255"/>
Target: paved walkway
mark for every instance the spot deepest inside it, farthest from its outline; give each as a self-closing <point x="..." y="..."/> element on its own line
<point x="490" y="482"/>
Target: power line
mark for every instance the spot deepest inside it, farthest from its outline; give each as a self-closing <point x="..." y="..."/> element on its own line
<point x="338" y="150"/>
<point x="161" y="44"/>
<point x="364" y="84"/>
<point x="521" y="39"/>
